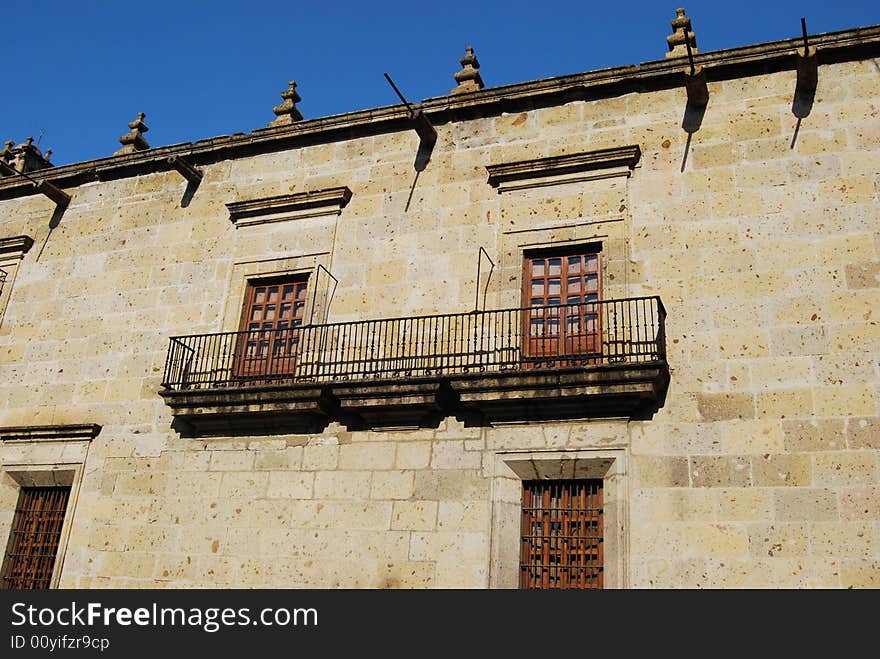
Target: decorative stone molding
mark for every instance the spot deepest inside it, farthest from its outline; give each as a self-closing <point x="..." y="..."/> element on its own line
<point x="15" y="247"/>
<point x="70" y="432"/>
<point x="289" y="207"/>
<point x="564" y="169"/>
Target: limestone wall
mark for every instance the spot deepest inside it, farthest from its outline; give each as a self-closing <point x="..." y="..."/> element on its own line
<point x="762" y="468"/>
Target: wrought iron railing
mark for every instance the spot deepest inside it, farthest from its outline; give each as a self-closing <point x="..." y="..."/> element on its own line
<point x="536" y="338"/>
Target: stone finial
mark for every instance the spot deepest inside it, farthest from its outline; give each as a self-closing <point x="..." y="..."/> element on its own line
<point x="287" y="112"/>
<point x="468" y="78"/>
<point x="681" y="25"/>
<point x="134" y="139"/>
<point x="6" y="154"/>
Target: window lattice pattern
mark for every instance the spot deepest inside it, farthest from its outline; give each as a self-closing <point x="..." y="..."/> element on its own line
<point x="561" y="534"/>
<point x="35" y="534"/>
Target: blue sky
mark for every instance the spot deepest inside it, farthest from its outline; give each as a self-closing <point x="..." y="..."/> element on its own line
<point x="75" y="73"/>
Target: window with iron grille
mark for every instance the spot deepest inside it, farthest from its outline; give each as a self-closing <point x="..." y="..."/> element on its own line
<point x="36" y="531"/>
<point x="562" y="535"/>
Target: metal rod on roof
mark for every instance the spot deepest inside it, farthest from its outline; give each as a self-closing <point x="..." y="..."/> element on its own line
<point x="804" y="30"/>
<point x="405" y="102"/>
<point x="687" y="43"/>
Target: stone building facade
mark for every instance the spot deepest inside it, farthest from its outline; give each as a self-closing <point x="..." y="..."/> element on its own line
<point x="656" y="284"/>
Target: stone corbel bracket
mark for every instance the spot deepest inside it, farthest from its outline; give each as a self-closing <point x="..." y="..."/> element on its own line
<point x="578" y="167"/>
<point x="296" y="206"/>
<point x="187" y="170"/>
<point x="807" y="70"/>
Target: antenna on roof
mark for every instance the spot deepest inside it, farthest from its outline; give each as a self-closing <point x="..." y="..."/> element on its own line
<point x="422" y="126"/>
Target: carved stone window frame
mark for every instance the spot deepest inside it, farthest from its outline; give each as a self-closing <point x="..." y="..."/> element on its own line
<point x="511" y="468"/>
<point x="300" y="205"/>
<point x="12" y="251"/>
<point x="42" y="456"/>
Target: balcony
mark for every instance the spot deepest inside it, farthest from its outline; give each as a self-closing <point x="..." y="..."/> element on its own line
<point x="597" y="359"/>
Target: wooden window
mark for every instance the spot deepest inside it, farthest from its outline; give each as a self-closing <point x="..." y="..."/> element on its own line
<point x="562" y="529"/>
<point x="273" y="312"/>
<point x="36" y="530"/>
<point x="562" y="288"/>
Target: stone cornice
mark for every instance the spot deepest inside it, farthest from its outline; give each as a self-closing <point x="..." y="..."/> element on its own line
<point x="15" y="246"/>
<point x="314" y="203"/>
<point x="742" y="61"/>
<point x="559" y="166"/>
<point x="70" y="432"/>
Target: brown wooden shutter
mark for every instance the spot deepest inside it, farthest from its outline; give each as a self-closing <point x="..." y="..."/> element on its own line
<point x="36" y="532"/>
<point x="273" y="312"/>
<point x="562" y="529"/>
<point x="561" y="287"/>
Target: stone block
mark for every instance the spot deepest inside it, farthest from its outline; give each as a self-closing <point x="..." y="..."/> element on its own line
<point x="661" y="471"/>
<point x="715" y="540"/>
<point x="682" y="505"/>
<point x="806" y="504"/>
<point x="863" y="275"/>
<point x="451" y="485"/>
<point x="413" y="455"/>
<point x="464" y="516"/>
<point x="814" y="435"/>
<point x="778" y="540"/>
<point x="342" y="485"/>
<point x="247" y="484"/>
<point x="725" y="406"/>
<point x="720" y="471"/>
<point x="848" y="469"/>
<point x="392" y="484"/>
<point x="744" y="504"/>
<point x="840" y="539"/>
<point x="320" y="457"/>
<point x="745" y="437"/>
<point x="231" y="460"/>
<point x="845" y="400"/>
<point x="797" y="341"/>
<point x="863" y="433"/>
<point x="785" y="403"/>
<point x="290" y="485"/>
<point x="367" y="456"/>
<point x="414" y="516"/>
<point x="780" y="470"/>
<point x="860" y="573"/>
<point x="451" y="455"/>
